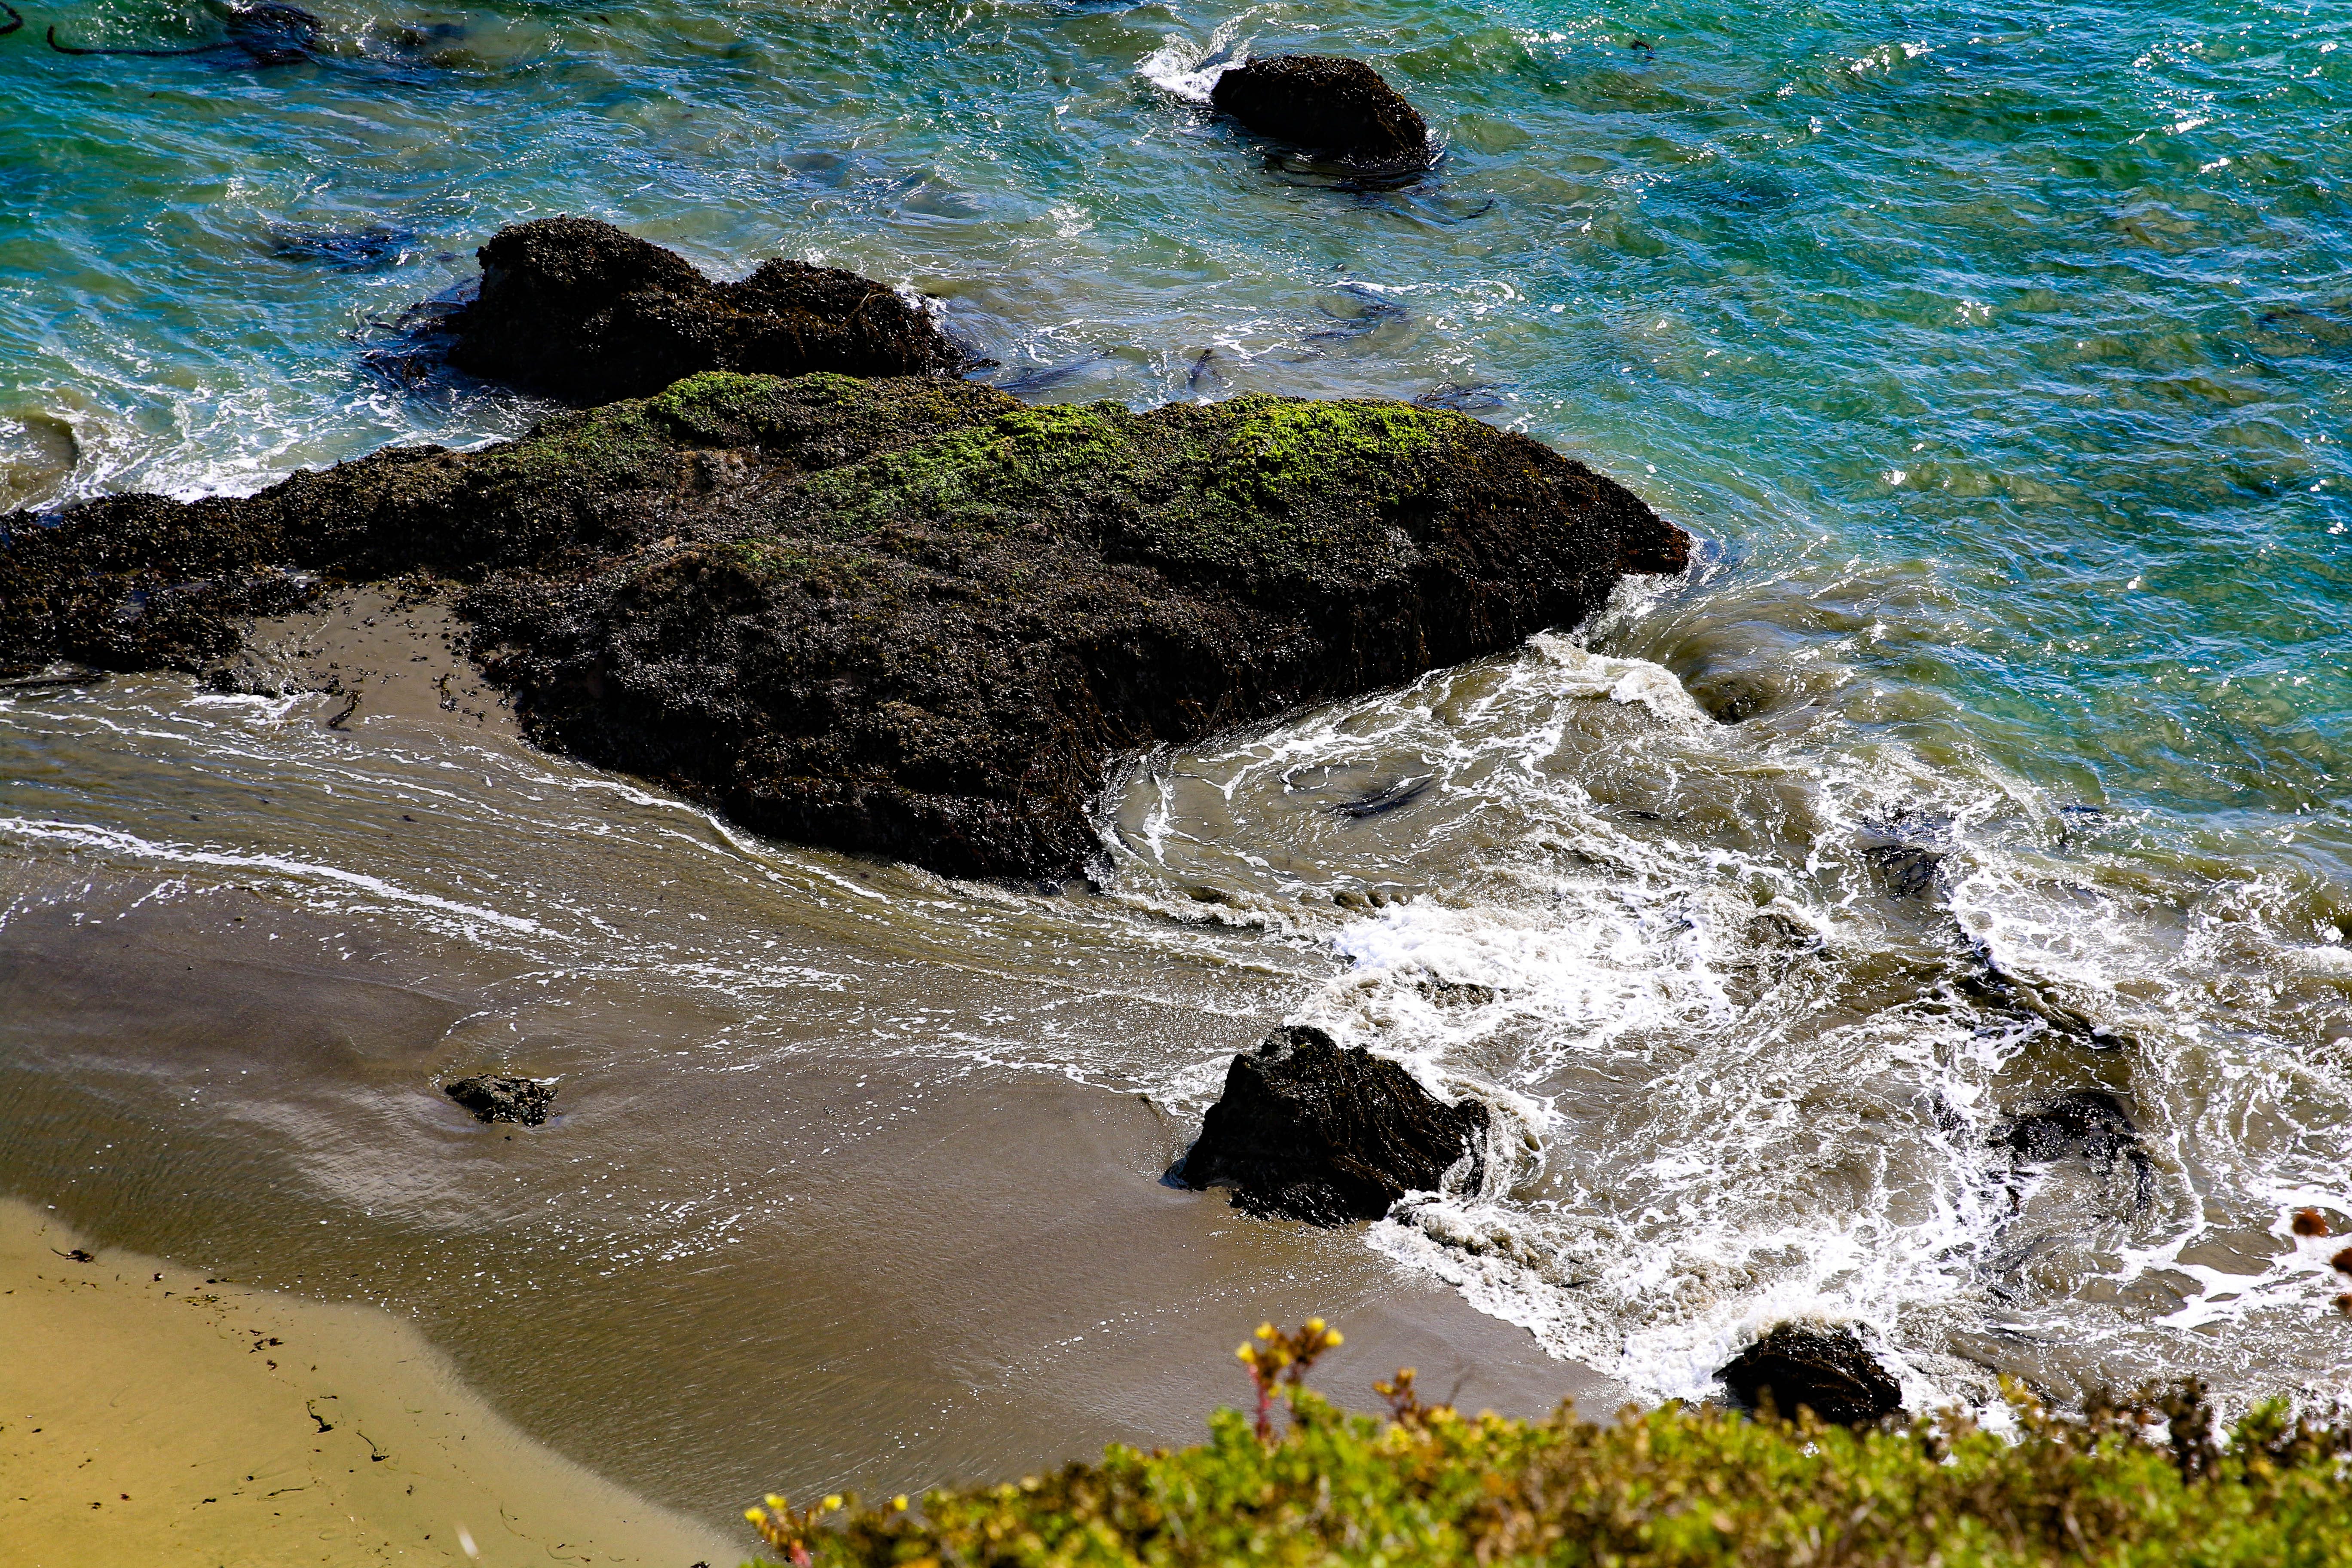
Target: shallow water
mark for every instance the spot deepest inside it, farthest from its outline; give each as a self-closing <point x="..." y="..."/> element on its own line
<point x="1996" y="357"/>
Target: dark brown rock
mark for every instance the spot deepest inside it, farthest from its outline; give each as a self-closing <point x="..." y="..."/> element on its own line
<point x="1316" y="1131"/>
<point x="1340" y="109"/>
<point x="1824" y="1370"/>
<point x="499" y="1097"/>
<point x="581" y="311"/>
<point x="908" y="616"/>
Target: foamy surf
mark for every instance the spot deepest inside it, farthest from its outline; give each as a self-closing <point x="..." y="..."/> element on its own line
<point x="1184" y="67"/>
<point x="1759" y="1008"/>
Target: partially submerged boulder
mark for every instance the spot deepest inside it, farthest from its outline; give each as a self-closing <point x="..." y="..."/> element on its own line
<point x="501" y="1097"/>
<point x="582" y="311"/>
<point x="1321" y="1132"/>
<point x="908" y="616"/>
<point x="2088" y="1124"/>
<point x="1823" y="1369"/>
<point x="1340" y="109"/>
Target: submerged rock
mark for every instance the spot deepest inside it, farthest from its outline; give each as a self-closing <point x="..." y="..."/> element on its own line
<point x="908" y="616"/>
<point x="1341" y="108"/>
<point x="2086" y="1121"/>
<point x="267" y="34"/>
<point x="581" y="311"/>
<point x="2089" y="1124"/>
<point x="1826" y="1370"/>
<point x="498" y="1096"/>
<point x="1319" y="1133"/>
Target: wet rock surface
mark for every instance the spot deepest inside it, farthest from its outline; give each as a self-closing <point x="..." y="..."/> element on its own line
<point x="1340" y="109"/>
<point x="2088" y="1124"/>
<point x="908" y="616"/>
<point x="1826" y="1370"/>
<point x="583" y="311"/>
<point x="1309" y="1129"/>
<point x="499" y="1097"/>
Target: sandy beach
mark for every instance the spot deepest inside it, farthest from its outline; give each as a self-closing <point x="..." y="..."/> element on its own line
<point x="153" y="1414"/>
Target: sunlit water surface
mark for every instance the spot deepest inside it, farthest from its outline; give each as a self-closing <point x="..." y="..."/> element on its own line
<point x="1992" y="752"/>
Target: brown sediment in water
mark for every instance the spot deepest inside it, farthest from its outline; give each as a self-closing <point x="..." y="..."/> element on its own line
<point x="150" y="1414"/>
<point x="782" y="1230"/>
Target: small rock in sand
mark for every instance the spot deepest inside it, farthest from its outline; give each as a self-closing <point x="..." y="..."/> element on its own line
<point x="498" y="1096"/>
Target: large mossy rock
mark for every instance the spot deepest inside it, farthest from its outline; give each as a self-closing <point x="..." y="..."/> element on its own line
<point x="1311" y="1130"/>
<point x="908" y="616"/>
<point x="581" y="311"/>
<point x="1341" y="108"/>
<point x="1826" y="1369"/>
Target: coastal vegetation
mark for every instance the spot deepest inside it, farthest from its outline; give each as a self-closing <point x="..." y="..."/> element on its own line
<point x="2148" y="1479"/>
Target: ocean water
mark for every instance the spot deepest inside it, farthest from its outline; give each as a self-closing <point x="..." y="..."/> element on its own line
<point x="1994" y="750"/>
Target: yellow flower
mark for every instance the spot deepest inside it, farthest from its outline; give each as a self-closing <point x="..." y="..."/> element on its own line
<point x="756" y="1515"/>
<point x="832" y="1501"/>
<point x="900" y="1502"/>
<point x="1313" y="1325"/>
<point x="1333" y="1338"/>
<point x="776" y="1502"/>
<point x="1266" y="1331"/>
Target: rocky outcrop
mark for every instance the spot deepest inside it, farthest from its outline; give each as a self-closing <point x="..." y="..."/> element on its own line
<point x="1824" y="1370"/>
<point x="582" y="311"/>
<point x="1339" y="109"/>
<point x="1316" y="1131"/>
<point x="498" y="1096"/>
<point x="908" y="616"/>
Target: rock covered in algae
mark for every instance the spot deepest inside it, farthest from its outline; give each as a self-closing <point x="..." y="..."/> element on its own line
<point x="583" y="311"/>
<point x="908" y="616"/>
<point x="1824" y="1370"/>
<point x="1343" y="108"/>
<point x="1312" y="1130"/>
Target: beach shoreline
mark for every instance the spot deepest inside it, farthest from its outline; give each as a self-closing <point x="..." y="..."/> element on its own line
<point x="150" y="1413"/>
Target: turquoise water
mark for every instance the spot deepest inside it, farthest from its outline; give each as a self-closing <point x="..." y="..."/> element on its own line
<point x="2029" y="329"/>
<point x="1999" y="358"/>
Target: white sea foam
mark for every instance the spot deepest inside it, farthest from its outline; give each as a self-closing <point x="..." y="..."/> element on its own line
<point x="1717" y="982"/>
<point x="1184" y="67"/>
<point x="131" y="845"/>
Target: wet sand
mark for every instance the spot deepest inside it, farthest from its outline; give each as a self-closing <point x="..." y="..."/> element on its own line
<point x="151" y="1415"/>
<point x="822" y="1206"/>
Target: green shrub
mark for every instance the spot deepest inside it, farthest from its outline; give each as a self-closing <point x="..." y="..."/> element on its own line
<point x="2146" y="1480"/>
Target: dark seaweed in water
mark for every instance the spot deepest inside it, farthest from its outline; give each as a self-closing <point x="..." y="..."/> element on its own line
<point x="343" y="250"/>
<point x="1039" y="378"/>
<point x="269" y="34"/>
<point x="1995" y="989"/>
<point x="1462" y="397"/>
<point x="1385" y="800"/>
<point x="1377" y="312"/>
